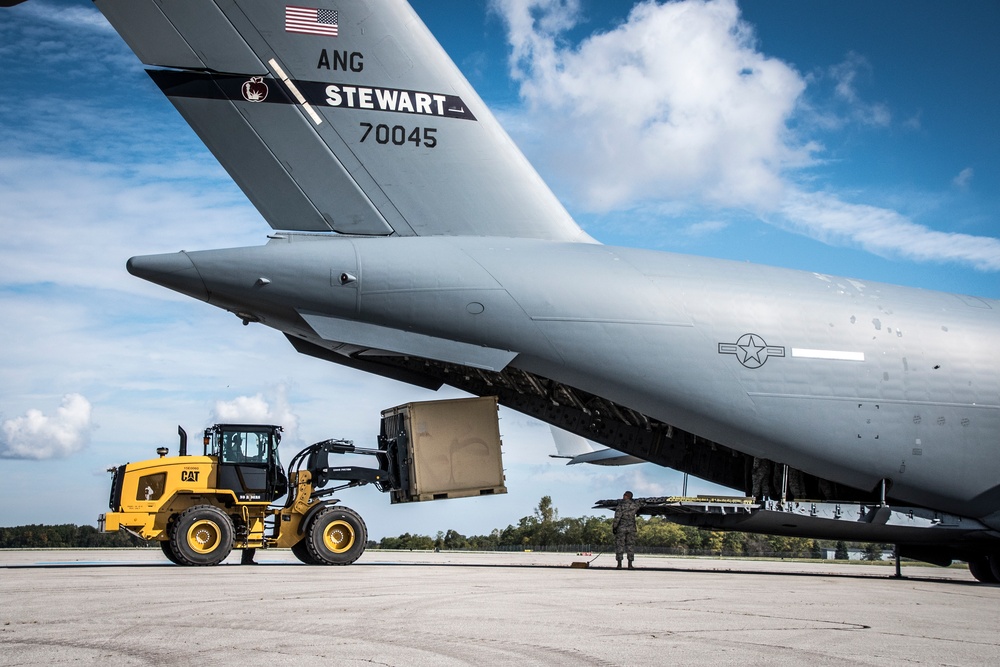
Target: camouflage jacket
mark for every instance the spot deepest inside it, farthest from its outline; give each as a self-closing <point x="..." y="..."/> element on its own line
<point x="625" y="515"/>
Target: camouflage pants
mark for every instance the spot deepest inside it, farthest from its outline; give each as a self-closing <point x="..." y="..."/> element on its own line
<point x="625" y="543"/>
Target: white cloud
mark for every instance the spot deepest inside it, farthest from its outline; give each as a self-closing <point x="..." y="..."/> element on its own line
<point x="95" y="216"/>
<point x="883" y="232"/>
<point x="705" y="228"/>
<point x="73" y="40"/>
<point x="36" y="436"/>
<point x="964" y="179"/>
<point x="678" y="104"/>
<point x="674" y="103"/>
<point x="258" y="409"/>
<point x="846" y="75"/>
<point x="86" y="18"/>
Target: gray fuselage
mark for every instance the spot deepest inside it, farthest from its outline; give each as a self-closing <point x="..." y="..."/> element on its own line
<point x="849" y="380"/>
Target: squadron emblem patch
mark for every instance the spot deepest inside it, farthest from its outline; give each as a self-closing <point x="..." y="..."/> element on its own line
<point x="255" y="90"/>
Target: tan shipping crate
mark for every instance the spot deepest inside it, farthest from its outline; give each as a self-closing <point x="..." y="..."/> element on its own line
<point x="448" y="449"/>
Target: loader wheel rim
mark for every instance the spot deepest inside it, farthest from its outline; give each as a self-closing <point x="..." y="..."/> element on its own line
<point x="338" y="536"/>
<point x="204" y="536"/>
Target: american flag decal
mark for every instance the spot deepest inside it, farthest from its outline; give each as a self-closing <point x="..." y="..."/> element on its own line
<point x="311" y="21"/>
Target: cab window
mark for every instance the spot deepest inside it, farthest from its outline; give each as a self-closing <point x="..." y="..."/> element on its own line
<point x="244" y="447"/>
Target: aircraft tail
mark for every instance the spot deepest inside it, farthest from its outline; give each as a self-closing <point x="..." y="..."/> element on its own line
<point x="343" y="116"/>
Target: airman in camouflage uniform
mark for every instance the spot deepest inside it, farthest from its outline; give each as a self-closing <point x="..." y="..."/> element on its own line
<point x="761" y="479"/>
<point x="624" y="528"/>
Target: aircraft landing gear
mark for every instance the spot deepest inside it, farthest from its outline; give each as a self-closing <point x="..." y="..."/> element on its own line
<point x="985" y="569"/>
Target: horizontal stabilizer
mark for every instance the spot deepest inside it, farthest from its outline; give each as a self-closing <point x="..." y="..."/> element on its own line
<point x="580" y="450"/>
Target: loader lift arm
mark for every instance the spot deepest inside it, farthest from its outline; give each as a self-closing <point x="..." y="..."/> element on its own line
<point x="316" y="460"/>
<point x="318" y="530"/>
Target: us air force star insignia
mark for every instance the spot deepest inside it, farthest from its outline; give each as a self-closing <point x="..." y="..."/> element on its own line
<point x="751" y="350"/>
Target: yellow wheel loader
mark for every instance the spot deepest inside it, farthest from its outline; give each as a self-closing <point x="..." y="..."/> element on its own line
<point x="199" y="508"/>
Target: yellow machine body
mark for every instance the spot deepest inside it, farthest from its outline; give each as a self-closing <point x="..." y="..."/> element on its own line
<point x="200" y="508"/>
<point x="155" y="491"/>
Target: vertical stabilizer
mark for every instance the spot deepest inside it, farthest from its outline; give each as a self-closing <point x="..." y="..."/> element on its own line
<point x="341" y="115"/>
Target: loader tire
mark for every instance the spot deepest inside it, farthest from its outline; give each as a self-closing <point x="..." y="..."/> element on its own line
<point x="168" y="551"/>
<point x="301" y="551"/>
<point x="336" y="536"/>
<point x="202" y="535"/>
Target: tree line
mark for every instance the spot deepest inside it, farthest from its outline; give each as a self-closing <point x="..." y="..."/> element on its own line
<point x="66" y="536"/>
<point x="543" y="530"/>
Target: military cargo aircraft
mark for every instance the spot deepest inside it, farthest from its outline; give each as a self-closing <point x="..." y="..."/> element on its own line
<point x="413" y="240"/>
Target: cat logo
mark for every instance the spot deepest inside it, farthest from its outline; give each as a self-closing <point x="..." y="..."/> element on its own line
<point x="189" y="475"/>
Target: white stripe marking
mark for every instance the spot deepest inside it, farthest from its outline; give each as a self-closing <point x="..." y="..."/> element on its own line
<point x="836" y="355"/>
<point x="295" y="91"/>
<point x="277" y="70"/>
<point x="312" y="113"/>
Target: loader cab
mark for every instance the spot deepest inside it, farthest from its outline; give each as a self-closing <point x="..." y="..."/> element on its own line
<point x="248" y="460"/>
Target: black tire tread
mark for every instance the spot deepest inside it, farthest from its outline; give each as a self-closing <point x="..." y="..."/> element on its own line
<point x="168" y="551"/>
<point x="301" y="551"/>
<point x="178" y="535"/>
<point x="314" y="538"/>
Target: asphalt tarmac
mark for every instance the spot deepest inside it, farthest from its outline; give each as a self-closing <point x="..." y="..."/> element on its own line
<point x="418" y="608"/>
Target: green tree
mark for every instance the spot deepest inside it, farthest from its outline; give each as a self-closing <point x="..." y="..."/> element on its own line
<point x="658" y="532"/>
<point x="489" y="542"/>
<point x="732" y="544"/>
<point x="873" y="551"/>
<point x="713" y="541"/>
<point x="793" y="547"/>
<point x="65" y="536"/>
<point x="407" y="541"/>
<point x="454" y="540"/>
<point x="841" y="551"/>
<point x="546" y="511"/>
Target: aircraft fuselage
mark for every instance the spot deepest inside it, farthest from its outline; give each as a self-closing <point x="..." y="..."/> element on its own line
<point x="848" y="380"/>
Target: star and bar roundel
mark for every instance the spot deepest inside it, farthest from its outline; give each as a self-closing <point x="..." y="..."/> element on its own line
<point x="751" y="350"/>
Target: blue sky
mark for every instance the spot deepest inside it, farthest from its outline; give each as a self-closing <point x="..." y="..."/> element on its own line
<point x="837" y="136"/>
